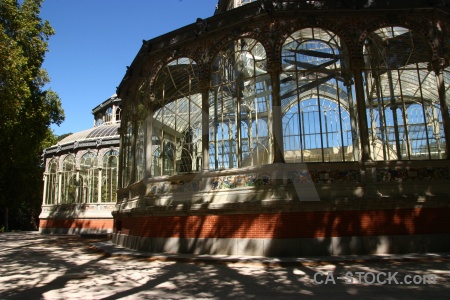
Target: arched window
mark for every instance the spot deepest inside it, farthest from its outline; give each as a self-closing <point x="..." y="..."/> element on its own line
<point x="403" y="107"/>
<point x="240" y="99"/>
<point x="127" y="152"/>
<point x="319" y="119"/>
<point x="52" y="182"/>
<point x="221" y="143"/>
<point x="109" y="176"/>
<point x="156" y="156"/>
<point x="118" y="113"/>
<point x="177" y="124"/>
<point x="168" y="157"/>
<point x="108" y="115"/>
<point x="98" y="120"/>
<point x="140" y="142"/>
<point x="69" y="190"/>
<point x="258" y="133"/>
<point x="88" y="177"/>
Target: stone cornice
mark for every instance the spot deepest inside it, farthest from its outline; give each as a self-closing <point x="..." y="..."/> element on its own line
<point x="85" y="144"/>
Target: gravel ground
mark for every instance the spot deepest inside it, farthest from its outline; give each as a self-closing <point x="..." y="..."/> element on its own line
<point x="37" y="266"/>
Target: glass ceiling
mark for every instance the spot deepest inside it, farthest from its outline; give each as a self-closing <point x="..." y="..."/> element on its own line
<point x="312" y="67"/>
<point x="102" y="131"/>
<point x="396" y="48"/>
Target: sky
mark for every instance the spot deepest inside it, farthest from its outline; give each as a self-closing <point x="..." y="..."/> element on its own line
<point x="94" y="42"/>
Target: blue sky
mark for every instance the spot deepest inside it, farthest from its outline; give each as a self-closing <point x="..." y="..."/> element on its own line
<point x="96" y="39"/>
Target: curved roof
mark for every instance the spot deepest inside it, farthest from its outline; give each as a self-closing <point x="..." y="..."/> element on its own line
<point x="102" y="131"/>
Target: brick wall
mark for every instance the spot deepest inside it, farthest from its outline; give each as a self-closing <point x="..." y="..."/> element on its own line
<point x="291" y="225"/>
<point x="77" y="223"/>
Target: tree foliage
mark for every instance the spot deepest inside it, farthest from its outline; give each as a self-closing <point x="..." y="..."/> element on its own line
<point x="27" y="110"/>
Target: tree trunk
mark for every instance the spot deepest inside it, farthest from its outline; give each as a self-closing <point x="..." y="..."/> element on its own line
<point x="6" y="227"/>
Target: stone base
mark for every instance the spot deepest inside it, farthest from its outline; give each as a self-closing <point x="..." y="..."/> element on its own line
<point x="297" y="247"/>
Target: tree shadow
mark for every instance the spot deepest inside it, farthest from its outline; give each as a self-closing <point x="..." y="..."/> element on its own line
<point x="66" y="268"/>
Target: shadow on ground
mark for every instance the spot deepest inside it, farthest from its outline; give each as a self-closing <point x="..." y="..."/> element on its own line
<point x="67" y="267"/>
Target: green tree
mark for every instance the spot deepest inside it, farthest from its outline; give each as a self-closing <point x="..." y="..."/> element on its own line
<point x="27" y="110"/>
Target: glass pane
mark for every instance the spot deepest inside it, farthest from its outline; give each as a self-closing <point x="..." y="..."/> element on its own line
<point x="240" y="102"/>
<point x="319" y="118"/>
<point x="109" y="176"/>
<point x="177" y="125"/>
<point x="405" y="119"/>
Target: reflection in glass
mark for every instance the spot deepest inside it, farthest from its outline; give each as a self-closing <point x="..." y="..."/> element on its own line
<point x="319" y="115"/>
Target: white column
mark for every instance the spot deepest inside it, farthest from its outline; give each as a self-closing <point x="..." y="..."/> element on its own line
<point x="205" y="124"/>
<point x="58" y="201"/>
<point x="77" y="187"/>
<point x="361" y="108"/>
<point x="99" y="186"/>
<point x="148" y="144"/>
<point x="277" y="115"/>
<point x="44" y="196"/>
<point x="113" y="112"/>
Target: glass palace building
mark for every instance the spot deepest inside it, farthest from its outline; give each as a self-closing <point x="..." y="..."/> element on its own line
<point x="288" y="128"/>
<point x="81" y="175"/>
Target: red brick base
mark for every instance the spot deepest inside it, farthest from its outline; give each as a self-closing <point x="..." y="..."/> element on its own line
<point x="85" y="224"/>
<point x="290" y="225"/>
